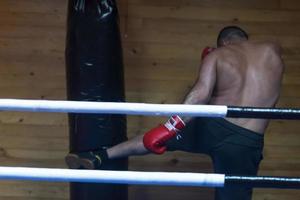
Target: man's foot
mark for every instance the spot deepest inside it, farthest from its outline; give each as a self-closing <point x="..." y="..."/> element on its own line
<point x="86" y="160"/>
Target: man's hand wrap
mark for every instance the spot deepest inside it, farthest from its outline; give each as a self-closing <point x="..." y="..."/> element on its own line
<point x="206" y="51"/>
<point x="155" y="139"/>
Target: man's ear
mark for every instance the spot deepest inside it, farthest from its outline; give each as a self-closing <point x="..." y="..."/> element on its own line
<point x="225" y="42"/>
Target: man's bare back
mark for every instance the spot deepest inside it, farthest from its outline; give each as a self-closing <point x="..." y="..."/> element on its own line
<point x="248" y="74"/>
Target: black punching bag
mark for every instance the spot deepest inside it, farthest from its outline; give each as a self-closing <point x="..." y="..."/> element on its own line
<point x="95" y="73"/>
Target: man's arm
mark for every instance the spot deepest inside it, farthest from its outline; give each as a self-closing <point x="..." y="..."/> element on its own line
<point x="203" y="87"/>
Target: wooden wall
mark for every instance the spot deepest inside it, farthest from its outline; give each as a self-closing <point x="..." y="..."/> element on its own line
<point x="162" y="41"/>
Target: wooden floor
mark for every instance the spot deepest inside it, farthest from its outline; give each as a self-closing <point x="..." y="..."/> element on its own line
<point x="162" y="43"/>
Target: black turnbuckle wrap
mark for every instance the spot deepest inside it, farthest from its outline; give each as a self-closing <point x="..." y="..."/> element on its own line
<point x="263" y="113"/>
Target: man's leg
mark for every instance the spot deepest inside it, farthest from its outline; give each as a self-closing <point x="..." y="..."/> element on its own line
<point x="235" y="159"/>
<point x="152" y="141"/>
<point x="94" y="159"/>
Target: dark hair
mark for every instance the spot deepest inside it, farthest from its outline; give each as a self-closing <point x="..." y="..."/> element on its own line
<point x="230" y="32"/>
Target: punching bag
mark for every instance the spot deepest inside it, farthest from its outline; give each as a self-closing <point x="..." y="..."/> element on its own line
<point x="94" y="71"/>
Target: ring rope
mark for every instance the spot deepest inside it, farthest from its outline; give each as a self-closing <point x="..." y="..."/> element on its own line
<point x="106" y="176"/>
<point x="147" y="109"/>
<point x="146" y="178"/>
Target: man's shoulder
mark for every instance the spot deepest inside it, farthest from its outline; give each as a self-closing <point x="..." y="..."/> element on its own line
<point x="269" y="46"/>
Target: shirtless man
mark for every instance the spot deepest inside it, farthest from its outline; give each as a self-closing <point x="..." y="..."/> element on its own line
<point x="237" y="73"/>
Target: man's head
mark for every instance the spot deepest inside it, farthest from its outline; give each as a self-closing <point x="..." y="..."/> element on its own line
<point x="231" y="34"/>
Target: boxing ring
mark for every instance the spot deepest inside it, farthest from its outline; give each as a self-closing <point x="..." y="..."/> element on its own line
<point x="146" y="178"/>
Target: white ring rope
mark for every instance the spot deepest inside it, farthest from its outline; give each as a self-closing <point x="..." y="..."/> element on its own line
<point x="111" y="108"/>
<point x="106" y="176"/>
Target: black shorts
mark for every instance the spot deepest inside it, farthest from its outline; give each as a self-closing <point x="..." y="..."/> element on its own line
<point x="233" y="150"/>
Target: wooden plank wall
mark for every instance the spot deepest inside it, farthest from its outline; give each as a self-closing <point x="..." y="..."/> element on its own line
<point x="162" y="43"/>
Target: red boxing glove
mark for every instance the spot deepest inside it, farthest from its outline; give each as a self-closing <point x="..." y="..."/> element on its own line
<point x="206" y="51"/>
<point x="155" y="139"/>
